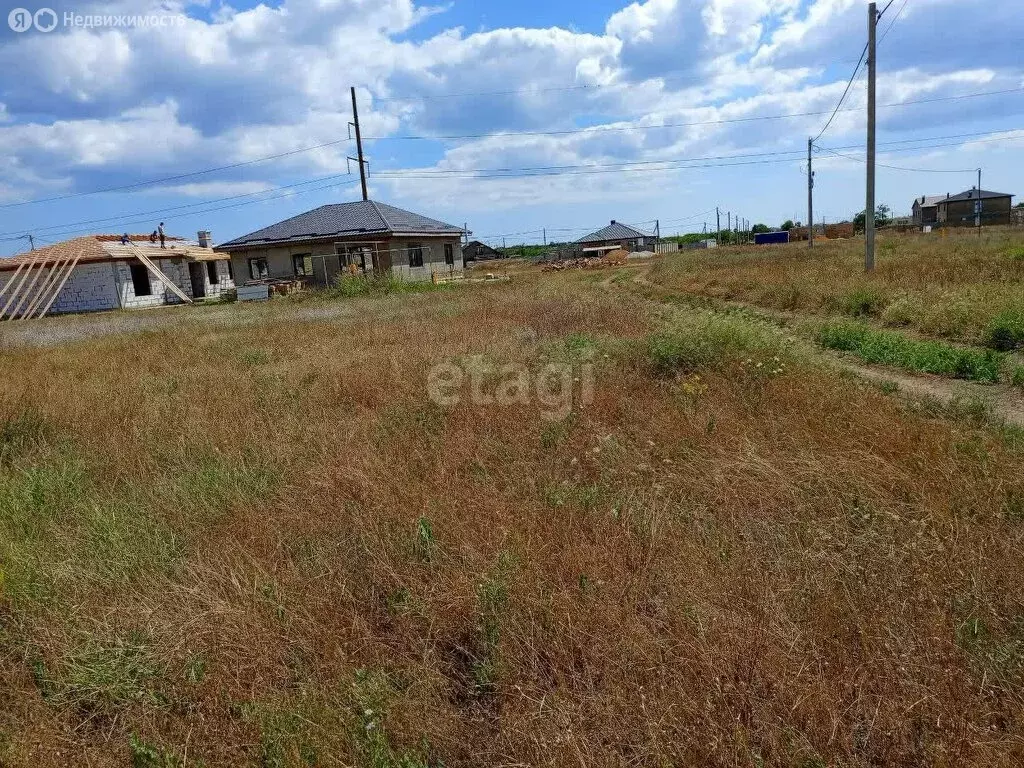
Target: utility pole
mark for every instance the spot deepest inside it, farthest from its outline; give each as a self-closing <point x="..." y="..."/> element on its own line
<point x="657" y="235"/>
<point x="718" y="227"/>
<point x="728" y="225"/>
<point x="810" y="192"/>
<point x="545" y="230"/>
<point x="869" y="203"/>
<point x="978" y="205"/>
<point x="359" y="144"/>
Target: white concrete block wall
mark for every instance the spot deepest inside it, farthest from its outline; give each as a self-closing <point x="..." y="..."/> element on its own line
<point x="108" y="285"/>
<point x="224" y="281"/>
<point x="90" y="288"/>
<point x="176" y="269"/>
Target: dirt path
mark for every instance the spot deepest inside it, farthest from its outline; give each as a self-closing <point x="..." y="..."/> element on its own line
<point x="1005" y="402"/>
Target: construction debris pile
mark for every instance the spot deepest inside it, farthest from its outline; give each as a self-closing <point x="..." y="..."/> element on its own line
<point x="613" y="259"/>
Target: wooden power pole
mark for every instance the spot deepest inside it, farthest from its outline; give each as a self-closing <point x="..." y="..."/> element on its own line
<point x="810" y="193"/>
<point x="359" y="144"/>
<point x="869" y="203"/>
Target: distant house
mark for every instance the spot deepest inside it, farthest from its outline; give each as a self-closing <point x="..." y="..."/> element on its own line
<point x="474" y="250"/>
<point x="925" y="210"/>
<point x="358" y="237"/>
<point x="615" y="236"/>
<point x="98" y="272"/>
<point x="960" y="210"/>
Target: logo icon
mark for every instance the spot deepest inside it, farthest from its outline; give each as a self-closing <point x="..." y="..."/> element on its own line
<point x="20" y="20"/>
<point x="45" y="19"/>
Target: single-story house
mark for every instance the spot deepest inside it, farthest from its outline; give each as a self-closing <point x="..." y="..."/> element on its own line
<point x="616" y="236"/>
<point x="98" y="272"/>
<point x="474" y="250"/>
<point x="353" y="238"/>
<point x="961" y="209"/>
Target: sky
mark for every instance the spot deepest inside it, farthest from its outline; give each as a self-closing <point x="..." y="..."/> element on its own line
<point x="521" y="120"/>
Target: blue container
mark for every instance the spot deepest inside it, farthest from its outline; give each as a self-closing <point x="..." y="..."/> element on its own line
<point x="771" y="238"/>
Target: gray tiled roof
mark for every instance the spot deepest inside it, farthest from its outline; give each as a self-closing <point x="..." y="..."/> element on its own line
<point x="614" y="231"/>
<point x="342" y="220"/>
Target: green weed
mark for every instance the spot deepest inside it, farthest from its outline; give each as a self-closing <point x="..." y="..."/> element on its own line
<point x="146" y="755"/>
<point x="372" y="692"/>
<point x="424" y="543"/>
<point x="1005" y="331"/>
<point x="709" y="342"/>
<point x="861" y="302"/>
<point x="105" y="677"/>
<point x="492" y="600"/>
<point x="22" y="433"/>
<point x="894" y="349"/>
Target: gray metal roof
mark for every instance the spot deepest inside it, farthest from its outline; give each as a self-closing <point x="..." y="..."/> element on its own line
<point x="972" y="194"/>
<point x="930" y="201"/>
<point x="361" y="217"/>
<point x="614" y="231"/>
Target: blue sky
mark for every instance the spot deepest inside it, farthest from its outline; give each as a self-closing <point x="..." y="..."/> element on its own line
<point x="636" y="111"/>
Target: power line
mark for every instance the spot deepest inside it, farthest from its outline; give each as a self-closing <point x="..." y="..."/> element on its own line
<point x="615" y="129"/>
<point x="287" y="193"/>
<point x="597" y="170"/>
<point x="508" y="173"/>
<point x="601" y="129"/>
<point x="894" y="19"/>
<point x="902" y="168"/>
<point x="187" y="205"/>
<point x="192" y="174"/>
<point x="845" y="92"/>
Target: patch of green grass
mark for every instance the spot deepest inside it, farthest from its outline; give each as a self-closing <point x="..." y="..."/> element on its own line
<point x="1005" y="331"/>
<point x="555" y="431"/>
<point x="376" y="285"/>
<point x="861" y="302"/>
<point x="708" y="341"/>
<point x="998" y="655"/>
<point x="146" y="755"/>
<point x="894" y="349"/>
<point x="372" y="692"/>
<point x="21" y="433"/>
<point x="102" y="678"/>
<point x="424" y="543"/>
<point x="492" y="600"/>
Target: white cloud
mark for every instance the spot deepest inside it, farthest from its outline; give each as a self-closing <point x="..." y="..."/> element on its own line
<point x="103" y="107"/>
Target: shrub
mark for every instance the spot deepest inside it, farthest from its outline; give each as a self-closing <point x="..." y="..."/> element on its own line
<point x="862" y="302"/>
<point x="1005" y="331"/>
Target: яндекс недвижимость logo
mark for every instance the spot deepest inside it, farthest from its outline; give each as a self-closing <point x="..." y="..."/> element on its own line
<point x="22" y="19"/>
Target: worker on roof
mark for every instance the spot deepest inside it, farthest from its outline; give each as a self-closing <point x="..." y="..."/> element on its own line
<point x="125" y="239"/>
<point x="152" y="237"/>
<point x="160" y="229"/>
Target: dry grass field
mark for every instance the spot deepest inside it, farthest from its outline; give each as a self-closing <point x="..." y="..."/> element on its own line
<point x="962" y="287"/>
<point x="248" y="536"/>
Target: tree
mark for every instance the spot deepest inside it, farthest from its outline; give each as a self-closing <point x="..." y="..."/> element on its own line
<point x="759" y="228"/>
<point x="883" y="215"/>
<point x="787" y="225"/>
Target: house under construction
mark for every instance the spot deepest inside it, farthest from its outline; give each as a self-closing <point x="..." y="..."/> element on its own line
<point x="99" y="272"/>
